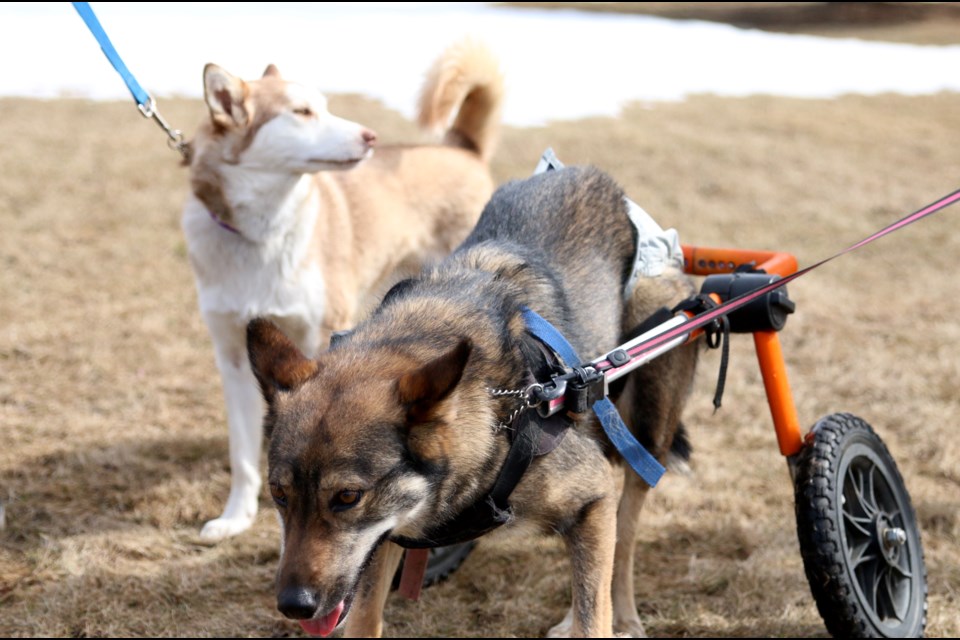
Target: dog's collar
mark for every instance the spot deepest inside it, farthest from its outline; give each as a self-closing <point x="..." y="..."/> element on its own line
<point x="222" y="224"/>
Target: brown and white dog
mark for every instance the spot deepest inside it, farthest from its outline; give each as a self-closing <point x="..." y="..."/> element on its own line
<point x="397" y="430"/>
<point x="293" y="217"/>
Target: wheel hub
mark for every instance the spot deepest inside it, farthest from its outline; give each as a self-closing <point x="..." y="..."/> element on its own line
<point x="890" y="538"/>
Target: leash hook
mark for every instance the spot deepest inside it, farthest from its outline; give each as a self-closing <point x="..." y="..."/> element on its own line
<point x="538" y="394"/>
<point x="148" y="109"/>
<point x="174" y="136"/>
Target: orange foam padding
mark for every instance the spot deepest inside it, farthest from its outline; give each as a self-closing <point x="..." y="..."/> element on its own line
<point x="704" y="261"/>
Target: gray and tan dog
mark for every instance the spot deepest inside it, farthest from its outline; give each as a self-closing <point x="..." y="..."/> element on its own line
<point x="394" y="430"/>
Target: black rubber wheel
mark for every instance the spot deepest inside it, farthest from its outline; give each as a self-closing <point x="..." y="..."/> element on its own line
<point x="441" y="563"/>
<point x="858" y="534"/>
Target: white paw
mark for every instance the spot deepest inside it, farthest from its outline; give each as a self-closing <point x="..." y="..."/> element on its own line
<point x="563" y="629"/>
<point x="221" y="528"/>
<point x="629" y="628"/>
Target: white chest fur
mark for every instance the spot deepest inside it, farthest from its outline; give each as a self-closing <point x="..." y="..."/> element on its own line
<point x="265" y="269"/>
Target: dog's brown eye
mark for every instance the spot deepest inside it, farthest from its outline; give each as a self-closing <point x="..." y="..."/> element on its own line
<point x="276" y="492"/>
<point x="346" y="499"/>
<point x="303" y="111"/>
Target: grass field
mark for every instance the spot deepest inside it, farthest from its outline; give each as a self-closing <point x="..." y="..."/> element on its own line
<point x="114" y="445"/>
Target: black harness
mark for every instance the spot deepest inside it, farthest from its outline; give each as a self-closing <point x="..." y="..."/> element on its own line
<point x="530" y="432"/>
<point x="531" y="435"/>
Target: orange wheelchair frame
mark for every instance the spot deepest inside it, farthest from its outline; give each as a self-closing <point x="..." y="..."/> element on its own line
<point x="856" y="525"/>
<point x="702" y="261"/>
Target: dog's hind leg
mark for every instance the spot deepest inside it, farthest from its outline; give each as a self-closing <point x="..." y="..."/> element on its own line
<point x="366" y="615"/>
<point x="650" y="403"/>
<point x="245" y="421"/>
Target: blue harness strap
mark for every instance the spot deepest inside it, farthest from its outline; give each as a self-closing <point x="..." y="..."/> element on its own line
<point x="641" y="460"/>
<point x="141" y="96"/>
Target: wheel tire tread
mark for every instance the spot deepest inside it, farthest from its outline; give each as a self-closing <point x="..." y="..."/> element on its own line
<point x="820" y="541"/>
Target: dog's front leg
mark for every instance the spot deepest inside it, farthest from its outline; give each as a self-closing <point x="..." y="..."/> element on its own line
<point x="366" y="615"/>
<point x="591" y="542"/>
<point x="245" y="421"/>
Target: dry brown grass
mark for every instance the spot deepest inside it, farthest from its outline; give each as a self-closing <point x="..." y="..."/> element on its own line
<point x="114" y="441"/>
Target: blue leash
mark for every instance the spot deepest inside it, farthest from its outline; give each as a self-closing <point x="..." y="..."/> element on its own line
<point x="142" y="97"/>
<point x="145" y="101"/>
<point x="641" y="460"/>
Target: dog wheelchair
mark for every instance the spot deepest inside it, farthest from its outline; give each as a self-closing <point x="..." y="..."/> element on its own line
<point x="856" y="525"/>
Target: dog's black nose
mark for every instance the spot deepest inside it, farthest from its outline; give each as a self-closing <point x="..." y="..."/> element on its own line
<point x="297" y="603"/>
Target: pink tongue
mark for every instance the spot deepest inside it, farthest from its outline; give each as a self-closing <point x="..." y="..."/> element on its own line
<point x="323" y="626"/>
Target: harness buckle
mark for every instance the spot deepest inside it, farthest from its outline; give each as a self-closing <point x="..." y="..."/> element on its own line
<point x="589" y="386"/>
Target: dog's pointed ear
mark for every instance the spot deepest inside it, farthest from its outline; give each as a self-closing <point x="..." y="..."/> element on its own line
<point x="421" y="390"/>
<point x="277" y="363"/>
<point x="226" y="96"/>
<point x="271" y="71"/>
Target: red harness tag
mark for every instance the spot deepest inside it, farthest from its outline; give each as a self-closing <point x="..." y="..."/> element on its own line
<point x="414" y="568"/>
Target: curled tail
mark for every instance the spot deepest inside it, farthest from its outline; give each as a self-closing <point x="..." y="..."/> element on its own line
<point x="465" y="79"/>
